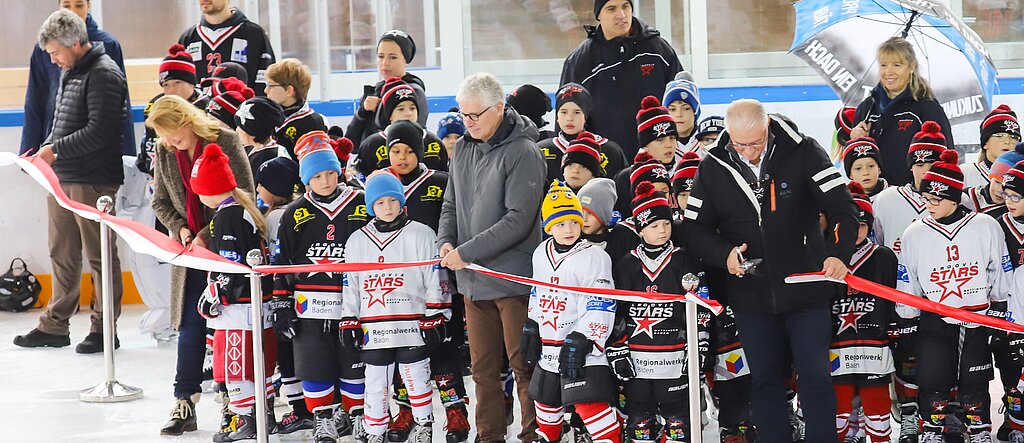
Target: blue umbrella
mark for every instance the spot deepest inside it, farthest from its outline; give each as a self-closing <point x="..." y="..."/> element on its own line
<point x="840" y="40"/>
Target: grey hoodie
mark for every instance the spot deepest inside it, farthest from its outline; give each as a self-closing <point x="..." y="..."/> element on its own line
<point x="491" y="209"/>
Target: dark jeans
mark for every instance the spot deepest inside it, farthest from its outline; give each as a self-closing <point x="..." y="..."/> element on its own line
<point x="764" y="339"/>
<point x="188" y="374"/>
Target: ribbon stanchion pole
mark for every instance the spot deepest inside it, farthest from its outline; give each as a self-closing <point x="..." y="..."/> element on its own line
<point x="255" y="258"/>
<point x="108" y="391"/>
<point x="690" y="283"/>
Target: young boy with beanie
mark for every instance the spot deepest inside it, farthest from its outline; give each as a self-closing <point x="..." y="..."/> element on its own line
<point x="177" y="77"/>
<point x="237" y="228"/>
<point x="314" y="230"/>
<point x="582" y="161"/>
<point x="656" y="132"/>
<point x="862" y="363"/>
<point x="255" y="124"/>
<point x="397" y="103"/>
<point x="533" y="103"/>
<point x="707" y="132"/>
<point x="288" y="83"/>
<point x="573" y="106"/>
<point x="648" y="340"/>
<point x="598" y="199"/>
<point x="644" y="168"/>
<point x="394" y="317"/>
<point x="682" y="179"/>
<point x="896" y="208"/>
<point x="862" y="163"/>
<point x="450" y="128"/>
<point x="228" y="97"/>
<point x="221" y="72"/>
<point x="959" y="259"/>
<point x="424" y="189"/>
<point x="565" y="333"/>
<point x="682" y="99"/>
<point x="1000" y="131"/>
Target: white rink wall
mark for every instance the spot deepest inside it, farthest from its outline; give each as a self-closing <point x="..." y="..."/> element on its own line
<point x="23" y="223"/>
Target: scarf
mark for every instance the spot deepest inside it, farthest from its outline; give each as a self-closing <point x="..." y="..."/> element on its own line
<point x="195" y="215"/>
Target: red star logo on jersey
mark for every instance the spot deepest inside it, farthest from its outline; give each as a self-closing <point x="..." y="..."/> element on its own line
<point x="904" y="124"/>
<point x="646" y="325"/>
<point x="325" y="260"/>
<point x="849" y="320"/>
<point x="646" y="69"/>
<point x="552" y="321"/>
<point x="376" y="297"/>
<point x="948" y="288"/>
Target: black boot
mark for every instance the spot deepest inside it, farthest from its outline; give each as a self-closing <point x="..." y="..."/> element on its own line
<point x="93" y="344"/>
<point x="39" y="339"/>
<point x="183" y="418"/>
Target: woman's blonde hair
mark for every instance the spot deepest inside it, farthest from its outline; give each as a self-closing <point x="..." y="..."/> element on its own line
<point x="245" y="200"/>
<point x="171" y="113"/>
<point x="900" y="49"/>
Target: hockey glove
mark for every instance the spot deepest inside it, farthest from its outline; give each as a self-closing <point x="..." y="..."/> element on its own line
<point x="904" y="327"/>
<point x="284" y="317"/>
<point x="704" y="351"/>
<point x="573" y="356"/>
<point x="620" y="361"/>
<point x="1015" y="343"/>
<point x="434" y="330"/>
<point x="997" y="338"/>
<point x="350" y="333"/>
<point x="529" y="343"/>
<point x="209" y="304"/>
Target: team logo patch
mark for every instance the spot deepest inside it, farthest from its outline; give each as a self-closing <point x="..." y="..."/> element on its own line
<point x="921" y="155"/>
<point x="359" y="213"/>
<point x="403" y="93"/>
<point x="569" y="91"/>
<point x="381" y="153"/>
<point x="861" y="150"/>
<point x="646" y="69"/>
<point x="661" y="129"/>
<point x="1007" y="264"/>
<point x="302" y="215"/>
<point x="901" y="273"/>
<point x="434" y="193"/>
<point x="643" y="216"/>
<point x="702" y="292"/>
<point x="433" y="150"/>
<point x="1012" y="126"/>
<point x="601" y="305"/>
<point x="235" y="257"/>
<point x="301" y="304"/>
<point x="244" y="112"/>
<point x="937" y="187"/>
<point x="904" y="124"/>
<point x="291" y="132"/>
<point x="734" y="363"/>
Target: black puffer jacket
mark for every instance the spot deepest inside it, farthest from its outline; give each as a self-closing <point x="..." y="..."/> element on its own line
<point x="90" y="102"/>
<point x="619" y="73"/>
<point x="776" y="215"/>
<point x="894" y="126"/>
<point x="365" y="123"/>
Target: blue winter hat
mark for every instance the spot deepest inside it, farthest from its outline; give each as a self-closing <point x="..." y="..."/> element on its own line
<point x="451" y="123"/>
<point x="683" y="88"/>
<point x="712" y="125"/>
<point x="381" y="185"/>
<point x="315" y="155"/>
<point x="1006" y="160"/>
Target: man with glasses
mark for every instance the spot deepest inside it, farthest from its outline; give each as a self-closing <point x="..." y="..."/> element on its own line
<point x="225" y="34"/>
<point x="622" y="61"/>
<point x="758" y="195"/>
<point x="491" y="217"/>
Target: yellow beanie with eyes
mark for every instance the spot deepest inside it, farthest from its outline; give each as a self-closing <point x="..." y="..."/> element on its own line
<point x="559" y="205"/>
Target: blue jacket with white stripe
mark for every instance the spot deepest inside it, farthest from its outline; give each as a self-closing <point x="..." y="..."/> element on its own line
<point x="775" y="214"/>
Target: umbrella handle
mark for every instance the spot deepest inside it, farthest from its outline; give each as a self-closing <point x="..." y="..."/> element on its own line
<point x="906" y="29"/>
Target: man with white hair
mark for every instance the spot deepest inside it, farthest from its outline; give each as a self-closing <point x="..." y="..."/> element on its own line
<point x="84" y="150"/>
<point x="759" y="192"/>
<point x="491" y="217"/>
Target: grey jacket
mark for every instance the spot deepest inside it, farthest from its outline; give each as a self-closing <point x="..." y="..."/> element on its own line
<point x="491" y="209"/>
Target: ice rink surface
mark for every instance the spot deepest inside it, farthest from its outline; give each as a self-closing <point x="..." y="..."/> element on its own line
<point x="40" y="386"/>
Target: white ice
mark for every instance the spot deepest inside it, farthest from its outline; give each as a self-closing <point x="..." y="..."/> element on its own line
<point x="39" y="390"/>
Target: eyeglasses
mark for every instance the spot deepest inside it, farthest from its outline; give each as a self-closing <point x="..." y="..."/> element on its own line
<point x="1003" y="135"/>
<point x="758" y="143"/>
<point x="934" y="201"/>
<point x="271" y="85"/>
<point x="475" y="117"/>
<point x="1013" y="198"/>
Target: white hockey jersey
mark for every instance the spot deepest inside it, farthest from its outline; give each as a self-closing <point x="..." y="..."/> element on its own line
<point x="975" y="174"/>
<point x="963" y="265"/>
<point x="694" y="145"/>
<point x="978" y="200"/>
<point x="390" y="303"/>
<point x="559" y="313"/>
<point x="896" y="208"/>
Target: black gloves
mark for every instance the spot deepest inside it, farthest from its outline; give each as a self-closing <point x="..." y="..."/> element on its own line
<point x="573" y="356"/>
<point x="620" y="361"/>
<point x="284" y="317"/>
<point x="350" y="333"/>
<point x="434" y="330"/>
<point x="529" y="343"/>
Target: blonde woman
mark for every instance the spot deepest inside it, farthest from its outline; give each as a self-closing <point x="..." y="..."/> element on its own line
<point x="183" y="132"/>
<point x="896" y="108"/>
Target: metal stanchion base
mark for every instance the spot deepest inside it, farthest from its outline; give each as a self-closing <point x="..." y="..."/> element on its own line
<point x="109" y="392"/>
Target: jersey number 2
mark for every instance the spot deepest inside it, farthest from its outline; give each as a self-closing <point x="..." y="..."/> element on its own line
<point x="330" y="232"/>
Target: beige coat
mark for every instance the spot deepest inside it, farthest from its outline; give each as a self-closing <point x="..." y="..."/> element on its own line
<point x="169" y="203"/>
